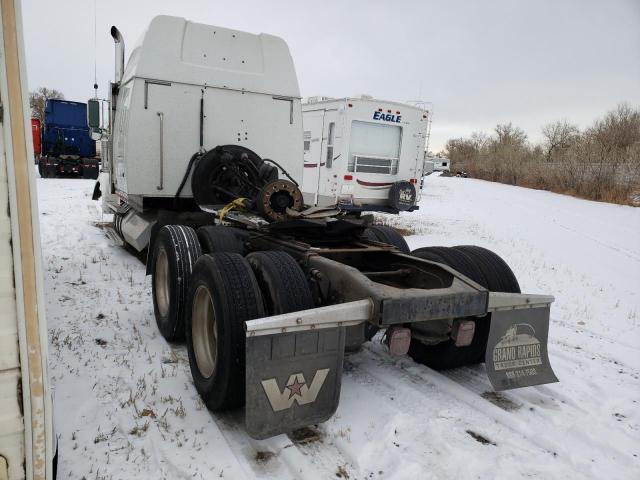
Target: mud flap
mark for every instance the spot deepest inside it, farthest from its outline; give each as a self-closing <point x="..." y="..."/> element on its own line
<point x="292" y="379"/>
<point x="517" y="349"/>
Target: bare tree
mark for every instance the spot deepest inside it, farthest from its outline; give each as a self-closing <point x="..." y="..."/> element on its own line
<point x="508" y="135"/>
<point x="38" y="100"/>
<point x="600" y="163"/>
<point x="618" y="130"/>
<point x="559" y="136"/>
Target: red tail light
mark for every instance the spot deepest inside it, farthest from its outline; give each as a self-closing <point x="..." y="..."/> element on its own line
<point x="348" y="177"/>
<point x="413" y="180"/>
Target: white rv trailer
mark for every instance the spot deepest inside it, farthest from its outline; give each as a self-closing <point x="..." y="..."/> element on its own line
<point x="26" y="431"/>
<point x="187" y="88"/>
<point x="440" y="164"/>
<point x="356" y="149"/>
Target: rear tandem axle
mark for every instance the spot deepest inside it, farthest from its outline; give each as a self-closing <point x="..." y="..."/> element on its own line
<point x="268" y="313"/>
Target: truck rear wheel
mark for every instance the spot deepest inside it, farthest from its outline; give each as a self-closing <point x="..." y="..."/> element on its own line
<point x="222" y="239"/>
<point x="282" y="282"/>
<point x="500" y="277"/>
<point x="176" y="249"/>
<point x="90" y="168"/>
<point x="223" y="294"/>
<point x="48" y="170"/>
<point x="483" y="267"/>
<point x="389" y="235"/>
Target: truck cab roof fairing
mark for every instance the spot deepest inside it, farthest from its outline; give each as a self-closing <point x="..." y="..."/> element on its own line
<point x="176" y="50"/>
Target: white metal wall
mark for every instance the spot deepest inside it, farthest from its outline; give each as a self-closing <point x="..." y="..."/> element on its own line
<point x="11" y="423"/>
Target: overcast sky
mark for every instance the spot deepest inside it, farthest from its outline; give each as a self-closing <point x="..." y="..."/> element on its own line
<point x="479" y="62"/>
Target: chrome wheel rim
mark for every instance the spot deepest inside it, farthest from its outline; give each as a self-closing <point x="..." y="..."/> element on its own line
<point x="161" y="282"/>
<point x="204" y="331"/>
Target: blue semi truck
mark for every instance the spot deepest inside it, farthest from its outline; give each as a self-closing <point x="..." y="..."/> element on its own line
<point x="67" y="146"/>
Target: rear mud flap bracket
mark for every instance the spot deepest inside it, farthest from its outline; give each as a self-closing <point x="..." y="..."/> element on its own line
<point x="293" y="379"/>
<point x="517" y="353"/>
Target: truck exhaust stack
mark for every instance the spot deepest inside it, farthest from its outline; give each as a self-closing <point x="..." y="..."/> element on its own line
<point x="119" y="41"/>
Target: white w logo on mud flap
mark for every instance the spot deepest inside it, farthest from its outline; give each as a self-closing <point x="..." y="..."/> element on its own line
<point x="296" y="390"/>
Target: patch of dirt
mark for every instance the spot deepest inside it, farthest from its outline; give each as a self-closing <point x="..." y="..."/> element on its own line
<point x="480" y="438"/>
<point x="342" y="472"/>
<point x="305" y="435"/>
<point x="500" y="400"/>
<point x="264" y="457"/>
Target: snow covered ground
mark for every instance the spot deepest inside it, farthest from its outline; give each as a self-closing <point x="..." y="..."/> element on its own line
<point x="126" y="408"/>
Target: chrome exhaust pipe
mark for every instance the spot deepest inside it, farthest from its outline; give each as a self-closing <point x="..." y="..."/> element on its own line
<point x="119" y="42"/>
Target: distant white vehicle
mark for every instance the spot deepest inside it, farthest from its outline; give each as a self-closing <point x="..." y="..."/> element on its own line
<point x="363" y="153"/>
<point x="427" y="167"/>
<point x="441" y="164"/>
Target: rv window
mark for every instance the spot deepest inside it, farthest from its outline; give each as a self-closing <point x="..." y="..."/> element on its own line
<point x="330" y="144"/>
<point x="374" y="148"/>
<point x="307" y="140"/>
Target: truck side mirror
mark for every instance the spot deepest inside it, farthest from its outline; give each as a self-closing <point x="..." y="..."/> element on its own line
<point x="93" y="114"/>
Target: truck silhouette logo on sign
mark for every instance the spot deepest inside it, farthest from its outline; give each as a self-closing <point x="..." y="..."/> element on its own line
<point x="517" y="350"/>
<point x="295" y="390"/>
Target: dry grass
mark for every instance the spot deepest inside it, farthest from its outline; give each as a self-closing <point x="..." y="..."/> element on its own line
<point x="601" y="163"/>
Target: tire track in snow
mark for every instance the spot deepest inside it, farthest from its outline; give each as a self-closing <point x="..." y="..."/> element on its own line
<point x="289" y="457"/>
<point x="539" y="434"/>
<point x="534" y="402"/>
<point x="624" y="251"/>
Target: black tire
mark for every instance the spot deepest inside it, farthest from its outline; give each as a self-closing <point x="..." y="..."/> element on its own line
<point x="499" y="277"/>
<point x="485" y="268"/>
<point x="268" y="173"/>
<point x="282" y="282"/>
<point x="455" y="259"/>
<point x="50" y="170"/>
<point x="388" y="235"/>
<point x="402" y="195"/>
<point x="175" y="251"/>
<point x="222" y="239"/>
<point x="210" y="170"/>
<point x="234" y="298"/>
<point x="90" y="168"/>
<point x="369" y="331"/>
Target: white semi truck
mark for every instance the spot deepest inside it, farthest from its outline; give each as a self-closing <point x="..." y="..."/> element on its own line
<point x="27" y="444"/>
<point x="361" y="152"/>
<point x="202" y="168"/>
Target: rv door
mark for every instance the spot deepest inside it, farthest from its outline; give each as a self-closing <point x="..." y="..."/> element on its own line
<point x="330" y="159"/>
<point x="313" y="128"/>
